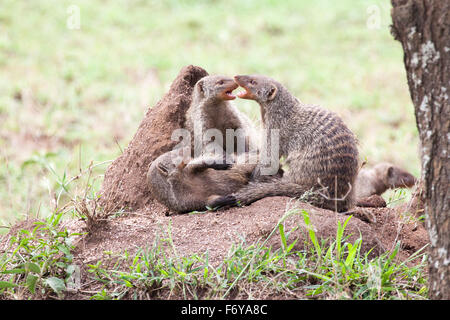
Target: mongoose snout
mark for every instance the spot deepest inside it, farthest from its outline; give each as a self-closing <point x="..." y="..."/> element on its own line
<point x="253" y="88"/>
<point x="217" y="86"/>
<point x="242" y="82"/>
<point x="229" y="86"/>
<point x="399" y="178"/>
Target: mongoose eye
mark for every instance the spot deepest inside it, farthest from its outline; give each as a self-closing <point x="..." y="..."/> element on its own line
<point x="253" y="82"/>
<point x="220" y="82"/>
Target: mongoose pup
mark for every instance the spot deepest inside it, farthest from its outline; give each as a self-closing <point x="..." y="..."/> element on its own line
<point x="185" y="186"/>
<point x="211" y="109"/>
<point x="321" y="152"/>
<point x="381" y="177"/>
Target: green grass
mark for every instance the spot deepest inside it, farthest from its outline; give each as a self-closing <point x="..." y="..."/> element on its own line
<point x="69" y="97"/>
<point x="332" y="270"/>
<point x="39" y="264"/>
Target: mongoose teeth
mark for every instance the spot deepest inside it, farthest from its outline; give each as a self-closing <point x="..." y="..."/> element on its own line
<point x="228" y="95"/>
<point x="242" y="94"/>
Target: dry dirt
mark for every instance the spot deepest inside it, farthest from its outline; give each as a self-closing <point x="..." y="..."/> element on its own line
<point x="215" y="232"/>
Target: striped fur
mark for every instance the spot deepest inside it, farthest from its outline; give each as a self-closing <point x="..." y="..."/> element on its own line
<point x="321" y="152"/>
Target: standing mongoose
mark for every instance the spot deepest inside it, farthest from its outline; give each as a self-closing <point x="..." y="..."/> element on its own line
<point x="381" y="177"/>
<point x="211" y="109"/>
<point x="185" y="185"/>
<point x="321" y="152"/>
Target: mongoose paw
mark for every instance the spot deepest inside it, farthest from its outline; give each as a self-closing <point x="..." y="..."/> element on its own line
<point x="220" y="166"/>
<point x="222" y="201"/>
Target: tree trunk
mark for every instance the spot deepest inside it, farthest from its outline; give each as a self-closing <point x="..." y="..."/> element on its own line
<point x="423" y="28"/>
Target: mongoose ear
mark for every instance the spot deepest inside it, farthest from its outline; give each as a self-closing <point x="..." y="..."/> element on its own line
<point x="200" y="85"/>
<point x="390" y="172"/>
<point x="272" y="92"/>
<point x="162" y="169"/>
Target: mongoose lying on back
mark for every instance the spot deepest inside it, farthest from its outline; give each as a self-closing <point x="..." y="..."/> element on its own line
<point x="211" y="109"/>
<point x="381" y="177"/>
<point x="321" y="152"/>
<point x="185" y="186"/>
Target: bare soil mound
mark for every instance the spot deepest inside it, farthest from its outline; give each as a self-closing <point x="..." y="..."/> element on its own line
<point x="124" y="185"/>
<point x="215" y="232"/>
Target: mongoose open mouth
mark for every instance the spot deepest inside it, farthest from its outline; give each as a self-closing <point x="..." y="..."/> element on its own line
<point x="246" y="94"/>
<point x="228" y="93"/>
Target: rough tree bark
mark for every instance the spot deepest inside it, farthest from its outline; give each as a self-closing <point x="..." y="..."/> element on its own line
<point x="423" y="28"/>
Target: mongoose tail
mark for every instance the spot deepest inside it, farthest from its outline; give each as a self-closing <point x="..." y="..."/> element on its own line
<point x="256" y="190"/>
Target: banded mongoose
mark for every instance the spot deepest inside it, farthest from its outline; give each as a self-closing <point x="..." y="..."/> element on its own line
<point x="187" y="185"/>
<point x="321" y="152"/>
<point x="211" y="109"/>
<point x="381" y="177"/>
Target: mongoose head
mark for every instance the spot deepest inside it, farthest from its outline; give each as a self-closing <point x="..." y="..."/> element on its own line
<point x="215" y="87"/>
<point x="257" y="87"/>
<point x="395" y="177"/>
<point x="171" y="164"/>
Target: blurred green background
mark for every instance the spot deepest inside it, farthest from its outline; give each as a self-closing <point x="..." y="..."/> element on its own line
<point x="76" y="78"/>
